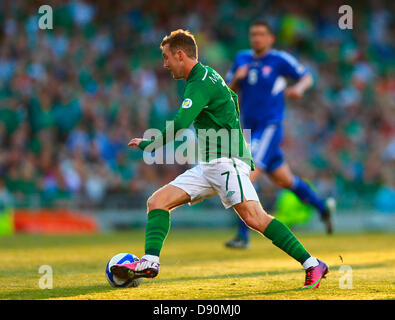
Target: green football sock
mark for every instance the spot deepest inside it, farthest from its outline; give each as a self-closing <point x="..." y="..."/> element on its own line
<point x="283" y="238"/>
<point x="158" y="226"/>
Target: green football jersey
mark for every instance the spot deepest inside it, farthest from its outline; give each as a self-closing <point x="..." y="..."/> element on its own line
<point x="213" y="109"/>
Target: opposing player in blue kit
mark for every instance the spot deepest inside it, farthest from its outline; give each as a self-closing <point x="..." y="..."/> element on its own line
<point x="259" y="76"/>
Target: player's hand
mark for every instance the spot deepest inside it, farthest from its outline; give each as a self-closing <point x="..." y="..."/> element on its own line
<point x="242" y="72"/>
<point x="293" y="93"/>
<point x="135" y="142"/>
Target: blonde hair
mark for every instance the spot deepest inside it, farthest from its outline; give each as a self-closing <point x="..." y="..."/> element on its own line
<point x="181" y="40"/>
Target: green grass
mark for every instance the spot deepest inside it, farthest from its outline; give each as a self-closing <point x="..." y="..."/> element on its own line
<point x="196" y="265"/>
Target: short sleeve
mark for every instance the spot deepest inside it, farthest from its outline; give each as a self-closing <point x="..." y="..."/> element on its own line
<point x="291" y="67"/>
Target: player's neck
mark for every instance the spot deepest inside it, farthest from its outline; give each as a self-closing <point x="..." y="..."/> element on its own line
<point x="189" y="67"/>
<point x="261" y="53"/>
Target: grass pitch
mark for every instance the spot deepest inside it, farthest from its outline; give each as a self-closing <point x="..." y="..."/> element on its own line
<point x="196" y="265"/>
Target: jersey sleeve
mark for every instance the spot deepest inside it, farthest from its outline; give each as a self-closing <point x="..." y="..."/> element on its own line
<point x="196" y="97"/>
<point x="291" y="67"/>
<point x="235" y="99"/>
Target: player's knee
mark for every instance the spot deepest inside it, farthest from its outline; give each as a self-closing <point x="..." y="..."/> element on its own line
<point x="282" y="182"/>
<point x="257" y="219"/>
<point x="252" y="219"/>
<point x="154" y="202"/>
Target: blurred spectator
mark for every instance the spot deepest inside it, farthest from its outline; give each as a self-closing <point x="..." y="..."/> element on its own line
<point x="6" y="199"/>
<point x="72" y="97"/>
<point x="385" y="196"/>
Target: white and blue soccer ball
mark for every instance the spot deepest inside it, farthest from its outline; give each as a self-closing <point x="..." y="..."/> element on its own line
<point x="115" y="281"/>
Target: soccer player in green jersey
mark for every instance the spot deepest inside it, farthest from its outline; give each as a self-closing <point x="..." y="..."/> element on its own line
<point x="224" y="167"/>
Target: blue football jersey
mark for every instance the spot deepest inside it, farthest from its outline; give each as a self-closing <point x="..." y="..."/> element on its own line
<point x="262" y="91"/>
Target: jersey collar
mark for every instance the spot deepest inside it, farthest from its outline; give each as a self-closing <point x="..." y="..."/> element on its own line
<point x="261" y="57"/>
<point x="195" y="71"/>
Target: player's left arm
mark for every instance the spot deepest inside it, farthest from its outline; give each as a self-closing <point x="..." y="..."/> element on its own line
<point x="297" y="90"/>
<point x="292" y="68"/>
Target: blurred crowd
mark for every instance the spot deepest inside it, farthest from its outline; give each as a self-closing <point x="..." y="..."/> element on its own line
<point x="72" y="97"/>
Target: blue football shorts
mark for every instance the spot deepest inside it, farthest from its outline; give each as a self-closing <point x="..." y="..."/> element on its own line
<point x="265" y="147"/>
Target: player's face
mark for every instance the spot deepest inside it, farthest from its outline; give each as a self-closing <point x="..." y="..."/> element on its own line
<point x="172" y="62"/>
<point x="260" y="38"/>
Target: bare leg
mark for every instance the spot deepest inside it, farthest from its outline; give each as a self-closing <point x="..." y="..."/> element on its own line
<point x="282" y="176"/>
<point x="241" y="241"/>
<point x="167" y="198"/>
<point x="159" y="206"/>
<point x="254" y="216"/>
<point x="254" y="175"/>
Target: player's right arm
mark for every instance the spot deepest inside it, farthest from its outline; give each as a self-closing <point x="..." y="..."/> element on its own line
<point x="195" y="99"/>
<point x="237" y="72"/>
<point x="135" y="142"/>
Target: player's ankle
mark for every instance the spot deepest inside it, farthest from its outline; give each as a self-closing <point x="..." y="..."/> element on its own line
<point x="151" y="258"/>
<point x="310" y="262"/>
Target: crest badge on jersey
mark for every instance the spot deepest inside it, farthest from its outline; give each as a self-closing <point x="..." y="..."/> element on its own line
<point x="266" y="70"/>
<point x="300" y="69"/>
<point x="187" y="103"/>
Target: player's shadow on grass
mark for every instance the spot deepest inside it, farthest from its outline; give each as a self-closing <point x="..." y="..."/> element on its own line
<point x="60" y="292"/>
<point x="268" y="293"/>
<point x="261" y="293"/>
<point x="263" y="273"/>
<point x="64" y="292"/>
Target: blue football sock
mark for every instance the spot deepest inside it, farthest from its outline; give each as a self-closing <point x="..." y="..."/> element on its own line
<point x="307" y="195"/>
<point x="243" y="231"/>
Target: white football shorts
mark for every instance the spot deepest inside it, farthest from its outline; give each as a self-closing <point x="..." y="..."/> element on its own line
<point x="227" y="177"/>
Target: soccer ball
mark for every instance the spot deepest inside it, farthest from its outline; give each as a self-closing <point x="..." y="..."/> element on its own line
<point x="121" y="258"/>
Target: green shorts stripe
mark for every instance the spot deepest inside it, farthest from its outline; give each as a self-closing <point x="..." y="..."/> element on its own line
<point x="239" y="180"/>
